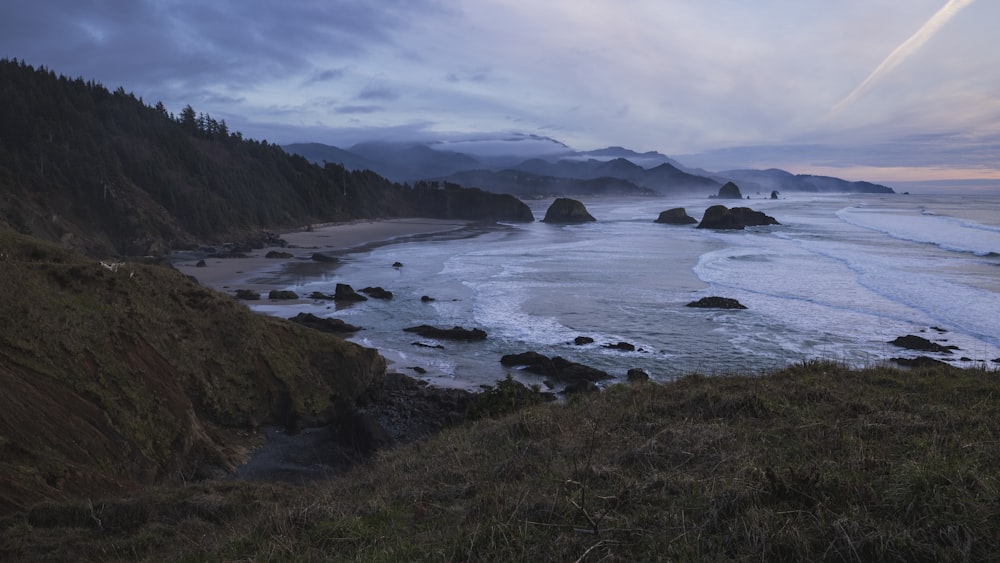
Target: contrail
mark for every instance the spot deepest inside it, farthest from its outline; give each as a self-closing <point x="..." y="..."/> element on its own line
<point x="907" y="48"/>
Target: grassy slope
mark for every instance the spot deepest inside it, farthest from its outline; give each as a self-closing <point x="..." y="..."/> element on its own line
<point x="110" y="379"/>
<point x="812" y="463"/>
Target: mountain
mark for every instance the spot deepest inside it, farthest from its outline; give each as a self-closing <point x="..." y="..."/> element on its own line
<point x="528" y="185"/>
<point x="773" y="179"/>
<point x="557" y="170"/>
<point x="321" y="154"/>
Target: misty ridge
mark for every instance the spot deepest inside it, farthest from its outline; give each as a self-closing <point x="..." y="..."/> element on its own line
<point x="539" y="167"/>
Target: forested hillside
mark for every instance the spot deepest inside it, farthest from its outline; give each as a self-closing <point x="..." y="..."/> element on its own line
<point x="108" y="173"/>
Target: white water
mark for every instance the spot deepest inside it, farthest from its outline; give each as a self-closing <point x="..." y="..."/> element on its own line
<point x="839" y="278"/>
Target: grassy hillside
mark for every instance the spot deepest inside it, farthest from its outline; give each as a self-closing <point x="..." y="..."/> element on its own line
<point x="111" y="379"/>
<point x="815" y="463"/>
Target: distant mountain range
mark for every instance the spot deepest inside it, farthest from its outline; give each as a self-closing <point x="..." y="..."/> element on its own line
<point x="533" y="167"/>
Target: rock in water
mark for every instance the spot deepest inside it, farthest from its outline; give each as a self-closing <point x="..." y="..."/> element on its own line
<point x="456" y="333"/>
<point x="566" y="210"/>
<point x="729" y="191"/>
<point x="721" y="217"/>
<point x="913" y="342"/>
<point x="676" y="216"/>
<point x="331" y="325"/>
<point x="345" y="292"/>
<point x="716" y="303"/>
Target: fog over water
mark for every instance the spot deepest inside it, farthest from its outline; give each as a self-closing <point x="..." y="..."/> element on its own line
<point x="840" y="277"/>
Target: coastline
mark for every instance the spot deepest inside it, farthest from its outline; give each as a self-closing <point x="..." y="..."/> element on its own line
<point x="257" y="272"/>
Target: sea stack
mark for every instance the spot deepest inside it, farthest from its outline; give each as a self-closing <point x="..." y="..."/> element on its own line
<point x="721" y="217"/>
<point x="676" y="216"/>
<point x="566" y="210"/>
<point x="729" y="191"/>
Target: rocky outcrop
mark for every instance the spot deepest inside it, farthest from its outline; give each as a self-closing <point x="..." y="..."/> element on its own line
<point x="346" y="293"/>
<point x="454" y="202"/>
<point x="716" y="303"/>
<point x="456" y="333"/>
<point x="729" y="191"/>
<point x="331" y="325"/>
<point x="721" y="217"/>
<point x="247" y="295"/>
<point x="557" y="368"/>
<point x="774" y="194"/>
<point x="583" y="340"/>
<point x="913" y="342"/>
<point x="377" y="293"/>
<point x="623" y="346"/>
<point x="565" y="210"/>
<point x="637" y="374"/>
<point x="676" y="216"/>
<point x="278" y="255"/>
<point x="326" y="258"/>
<point x="282" y="295"/>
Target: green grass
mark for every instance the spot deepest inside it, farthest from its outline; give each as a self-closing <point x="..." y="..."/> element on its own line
<point x="816" y="462"/>
<point x="109" y="379"/>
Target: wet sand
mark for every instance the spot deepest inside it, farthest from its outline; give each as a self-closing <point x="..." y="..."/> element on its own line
<point x="258" y="273"/>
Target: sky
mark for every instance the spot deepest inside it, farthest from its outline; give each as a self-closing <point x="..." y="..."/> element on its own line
<point x="878" y="90"/>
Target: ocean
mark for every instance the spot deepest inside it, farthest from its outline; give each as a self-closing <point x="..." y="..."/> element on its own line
<point x="842" y="276"/>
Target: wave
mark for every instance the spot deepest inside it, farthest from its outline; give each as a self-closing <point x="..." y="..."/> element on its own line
<point x="927" y="227"/>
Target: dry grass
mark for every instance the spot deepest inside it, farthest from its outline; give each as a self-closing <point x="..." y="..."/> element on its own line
<point x="815" y="462"/>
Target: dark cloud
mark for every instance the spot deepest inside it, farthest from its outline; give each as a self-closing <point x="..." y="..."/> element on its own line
<point x="171" y="49"/>
<point x="358" y="109"/>
<point x="476" y="75"/>
<point x="378" y="93"/>
<point x="328" y="75"/>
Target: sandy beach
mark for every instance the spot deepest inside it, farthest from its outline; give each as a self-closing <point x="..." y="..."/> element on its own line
<point x="259" y="273"/>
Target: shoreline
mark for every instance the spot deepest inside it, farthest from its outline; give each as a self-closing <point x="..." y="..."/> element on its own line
<point x="257" y="272"/>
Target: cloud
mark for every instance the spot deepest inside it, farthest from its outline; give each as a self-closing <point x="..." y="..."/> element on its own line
<point x="358" y="109"/>
<point x="904" y="50"/>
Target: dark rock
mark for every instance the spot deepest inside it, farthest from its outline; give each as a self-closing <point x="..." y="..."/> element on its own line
<point x="456" y="333"/>
<point x="472" y="204"/>
<point x="278" y="294"/>
<point x="716" y="303"/>
<point x="321" y="296"/>
<point x="774" y="194"/>
<point x="524" y="359"/>
<point x="637" y="374"/>
<point x="623" y="346"/>
<point x="557" y="368"/>
<point x="721" y="217"/>
<point x="345" y="292"/>
<point x="377" y="293"/>
<point x="278" y="254"/>
<point x="751" y="218"/>
<point x="566" y="210"/>
<point x="426" y="298"/>
<point x="397" y="264"/>
<point x="581" y="386"/>
<point x="423" y="345"/>
<point x="320" y="257"/>
<point x="247" y="295"/>
<point x="334" y="326"/>
<point x="583" y="340"/>
<point x="919" y="362"/>
<point x="362" y="432"/>
<point x="409" y="409"/>
<point x="676" y="216"/>
<point x="729" y="191"/>
<point x="200" y="264"/>
<point x="912" y="342"/>
<point x="418" y="369"/>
